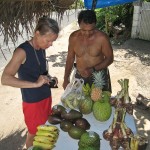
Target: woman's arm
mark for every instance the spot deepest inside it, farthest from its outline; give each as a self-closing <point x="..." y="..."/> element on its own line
<point x="9" y="78"/>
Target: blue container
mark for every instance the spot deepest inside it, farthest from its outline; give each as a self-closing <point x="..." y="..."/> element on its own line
<point x="105" y="3"/>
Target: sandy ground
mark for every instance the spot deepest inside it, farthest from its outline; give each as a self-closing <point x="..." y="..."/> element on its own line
<point x="132" y="61"/>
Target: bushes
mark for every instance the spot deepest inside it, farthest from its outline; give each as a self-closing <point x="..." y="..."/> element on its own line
<point x="115" y="19"/>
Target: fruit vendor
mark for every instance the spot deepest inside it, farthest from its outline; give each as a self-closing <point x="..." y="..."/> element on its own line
<point x="29" y="62"/>
<point x="92" y="51"/>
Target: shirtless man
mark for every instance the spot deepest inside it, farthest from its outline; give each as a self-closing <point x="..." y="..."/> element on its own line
<point x="90" y="48"/>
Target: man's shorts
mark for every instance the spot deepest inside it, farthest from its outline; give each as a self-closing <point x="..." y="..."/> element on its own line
<point x="107" y="86"/>
<point x="36" y="113"/>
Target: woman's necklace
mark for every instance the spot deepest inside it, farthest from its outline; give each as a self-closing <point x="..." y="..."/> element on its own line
<point x="37" y="58"/>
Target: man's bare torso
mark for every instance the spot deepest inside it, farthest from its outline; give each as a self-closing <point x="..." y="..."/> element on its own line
<point x="88" y="50"/>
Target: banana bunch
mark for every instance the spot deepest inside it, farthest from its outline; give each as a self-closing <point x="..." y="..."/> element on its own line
<point x="87" y="89"/>
<point x="46" y="137"/>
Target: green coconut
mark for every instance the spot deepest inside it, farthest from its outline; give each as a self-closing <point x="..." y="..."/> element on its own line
<point x="86" y="105"/>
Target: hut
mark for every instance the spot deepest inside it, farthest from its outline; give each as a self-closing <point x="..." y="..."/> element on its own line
<point x="18" y="16"/>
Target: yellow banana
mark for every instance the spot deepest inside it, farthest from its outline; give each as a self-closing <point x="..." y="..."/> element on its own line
<point x="88" y="87"/>
<point x="47" y="128"/>
<point x="48" y="134"/>
<point x="44" y="145"/>
<point x="75" y="103"/>
<point x="69" y="104"/>
<point x="132" y="143"/>
<point x="44" y="139"/>
<point x="136" y="144"/>
<point x="85" y="90"/>
<point x="92" y="86"/>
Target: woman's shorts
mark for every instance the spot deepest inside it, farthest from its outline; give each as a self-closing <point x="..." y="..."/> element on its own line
<point x="36" y="113"/>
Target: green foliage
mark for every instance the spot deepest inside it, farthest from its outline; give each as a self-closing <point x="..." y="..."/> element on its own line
<point x="100" y="13"/>
<point x="114" y="15"/>
<point x="78" y="4"/>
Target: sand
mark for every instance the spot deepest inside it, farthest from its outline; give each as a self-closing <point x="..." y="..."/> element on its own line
<point x="132" y="61"/>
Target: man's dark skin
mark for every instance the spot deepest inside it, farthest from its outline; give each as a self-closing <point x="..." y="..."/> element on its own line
<point x="90" y="48"/>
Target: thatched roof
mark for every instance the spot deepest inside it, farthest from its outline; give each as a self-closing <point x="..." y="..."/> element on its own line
<point x="16" y="13"/>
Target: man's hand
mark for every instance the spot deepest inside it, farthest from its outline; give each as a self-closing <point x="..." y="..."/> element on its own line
<point x="87" y="72"/>
<point x="65" y="83"/>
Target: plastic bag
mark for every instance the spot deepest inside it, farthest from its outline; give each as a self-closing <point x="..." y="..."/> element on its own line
<point x="72" y="94"/>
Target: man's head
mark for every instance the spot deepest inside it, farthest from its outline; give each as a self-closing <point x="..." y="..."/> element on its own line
<point x="87" y="16"/>
<point x="87" y="22"/>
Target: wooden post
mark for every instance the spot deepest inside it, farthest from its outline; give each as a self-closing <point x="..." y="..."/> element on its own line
<point x="94" y="4"/>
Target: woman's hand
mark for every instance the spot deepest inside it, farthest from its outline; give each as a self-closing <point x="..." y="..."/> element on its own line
<point x="43" y="79"/>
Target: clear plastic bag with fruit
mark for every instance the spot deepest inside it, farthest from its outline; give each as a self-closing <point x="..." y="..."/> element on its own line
<point x="72" y="94"/>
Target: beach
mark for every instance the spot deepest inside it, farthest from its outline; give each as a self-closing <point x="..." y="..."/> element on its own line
<point x="131" y="60"/>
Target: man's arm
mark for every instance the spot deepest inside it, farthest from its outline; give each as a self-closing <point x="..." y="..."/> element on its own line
<point x="107" y="51"/>
<point x="69" y="62"/>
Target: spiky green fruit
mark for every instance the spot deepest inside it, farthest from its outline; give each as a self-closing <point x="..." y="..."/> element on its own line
<point x="102" y="110"/>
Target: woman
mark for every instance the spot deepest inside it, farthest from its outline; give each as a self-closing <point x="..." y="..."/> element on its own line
<point x="29" y="62"/>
